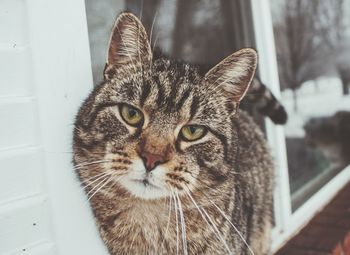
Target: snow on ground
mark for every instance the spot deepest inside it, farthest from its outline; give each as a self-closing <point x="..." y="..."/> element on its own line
<point x="319" y="98"/>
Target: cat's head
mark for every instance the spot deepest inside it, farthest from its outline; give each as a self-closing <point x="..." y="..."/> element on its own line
<point x="155" y="126"/>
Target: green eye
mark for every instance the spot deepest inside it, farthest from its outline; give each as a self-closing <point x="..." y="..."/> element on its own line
<point x="192" y="132"/>
<point x="131" y="115"/>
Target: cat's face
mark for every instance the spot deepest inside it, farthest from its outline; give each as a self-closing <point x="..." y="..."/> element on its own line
<point x="155" y="127"/>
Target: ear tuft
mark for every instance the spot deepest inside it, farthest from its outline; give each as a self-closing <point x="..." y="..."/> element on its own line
<point x="128" y="44"/>
<point x="234" y="74"/>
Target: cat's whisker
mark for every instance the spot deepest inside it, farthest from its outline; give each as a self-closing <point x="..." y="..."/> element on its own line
<point x="102" y="185"/>
<point x="151" y="34"/>
<point x="235" y="228"/>
<point x="183" y="224"/>
<point x="94" y="176"/>
<point x="57" y="152"/>
<point x="114" y="182"/>
<point x="177" y="223"/>
<point x="226" y="217"/>
<point x="168" y="221"/>
<point x="96" y="186"/>
<point x="153" y="23"/>
<point x="111" y="186"/>
<point x="155" y="42"/>
<point x="203" y="213"/>
<point x="141" y="10"/>
<point x="93" y="153"/>
<point x="92" y="163"/>
<point x="100" y="176"/>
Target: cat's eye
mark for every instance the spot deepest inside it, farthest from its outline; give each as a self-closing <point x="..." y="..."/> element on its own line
<point x="131" y="115"/>
<point x="192" y="132"/>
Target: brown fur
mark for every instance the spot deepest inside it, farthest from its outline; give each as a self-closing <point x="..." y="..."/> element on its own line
<point x="228" y="173"/>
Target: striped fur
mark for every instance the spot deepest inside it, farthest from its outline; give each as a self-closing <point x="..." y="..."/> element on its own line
<point x="212" y="195"/>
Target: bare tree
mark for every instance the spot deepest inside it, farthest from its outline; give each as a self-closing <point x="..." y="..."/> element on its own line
<point x="334" y="33"/>
<point x="300" y="46"/>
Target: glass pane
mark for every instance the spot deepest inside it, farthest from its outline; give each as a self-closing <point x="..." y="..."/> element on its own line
<point x="313" y="50"/>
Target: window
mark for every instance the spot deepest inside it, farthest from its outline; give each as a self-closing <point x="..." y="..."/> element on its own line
<point x="313" y="54"/>
<point x="321" y="98"/>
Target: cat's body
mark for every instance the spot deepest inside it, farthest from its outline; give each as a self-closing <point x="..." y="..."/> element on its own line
<point x="170" y="163"/>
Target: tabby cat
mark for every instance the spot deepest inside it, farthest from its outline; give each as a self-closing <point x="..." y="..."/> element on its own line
<point x="168" y="161"/>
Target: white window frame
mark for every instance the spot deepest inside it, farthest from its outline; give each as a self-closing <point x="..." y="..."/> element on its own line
<point x="287" y="223"/>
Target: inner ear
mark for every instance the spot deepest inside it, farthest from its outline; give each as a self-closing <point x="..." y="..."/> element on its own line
<point x="234" y="74"/>
<point x="128" y="45"/>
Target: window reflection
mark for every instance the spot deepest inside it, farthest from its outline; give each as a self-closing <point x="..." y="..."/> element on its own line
<point x="313" y="50"/>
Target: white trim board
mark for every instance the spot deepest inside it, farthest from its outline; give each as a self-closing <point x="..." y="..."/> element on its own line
<point x="63" y="78"/>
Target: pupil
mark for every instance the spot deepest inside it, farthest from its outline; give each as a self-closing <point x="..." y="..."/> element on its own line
<point x="193" y="130"/>
<point x="132" y="113"/>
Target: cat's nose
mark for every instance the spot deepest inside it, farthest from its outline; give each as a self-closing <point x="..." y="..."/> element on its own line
<point x="152" y="160"/>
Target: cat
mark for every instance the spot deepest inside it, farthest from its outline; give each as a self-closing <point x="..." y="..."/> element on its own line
<point x="169" y="162"/>
<point x="332" y="136"/>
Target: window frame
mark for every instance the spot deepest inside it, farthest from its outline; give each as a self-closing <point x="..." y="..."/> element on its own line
<point x="287" y="223"/>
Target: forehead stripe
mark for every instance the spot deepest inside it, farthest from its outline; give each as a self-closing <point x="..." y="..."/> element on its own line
<point x="194" y="106"/>
<point x="146" y="89"/>
<point x="184" y="97"/>
<point x="174" y="90"/>
<point x="160" y="97"/>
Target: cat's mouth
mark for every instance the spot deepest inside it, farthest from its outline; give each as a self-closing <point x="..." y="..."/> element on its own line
<point x="143" y="184"/>
<point x="146" y="183"/>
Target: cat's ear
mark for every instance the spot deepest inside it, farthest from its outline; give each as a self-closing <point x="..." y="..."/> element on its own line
<point x="128" y="44"/>
<point x="234" y="74"/>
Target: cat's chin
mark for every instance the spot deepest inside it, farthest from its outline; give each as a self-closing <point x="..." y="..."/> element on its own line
<point x="143" y="185"/>
<point x="143" y="188"/>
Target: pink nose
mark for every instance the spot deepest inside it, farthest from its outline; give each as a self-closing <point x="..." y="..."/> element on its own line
<point x="152" y="160"/>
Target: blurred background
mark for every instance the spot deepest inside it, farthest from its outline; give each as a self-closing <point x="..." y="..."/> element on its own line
<point x="313" y="54"/>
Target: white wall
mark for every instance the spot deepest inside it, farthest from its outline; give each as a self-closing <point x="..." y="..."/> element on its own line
<point x="24" y="209"/>
<point x="45" y="73"/>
